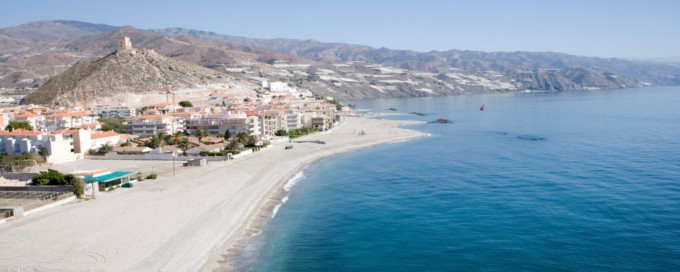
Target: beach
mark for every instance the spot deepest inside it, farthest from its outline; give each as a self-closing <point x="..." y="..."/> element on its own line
<point x="193" y="220"/>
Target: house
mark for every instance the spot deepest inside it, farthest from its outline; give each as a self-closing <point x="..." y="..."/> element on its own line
<point x="100" y="139"/>
<point x="176" y="151"/>
<point x="132" y="149"/>
<point x="205" y="148"/>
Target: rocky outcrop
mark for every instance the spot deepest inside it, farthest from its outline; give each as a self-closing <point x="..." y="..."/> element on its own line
<point x="118" y="76"/>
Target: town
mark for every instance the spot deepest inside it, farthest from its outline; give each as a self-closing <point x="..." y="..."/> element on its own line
<point x="222" y="128"/>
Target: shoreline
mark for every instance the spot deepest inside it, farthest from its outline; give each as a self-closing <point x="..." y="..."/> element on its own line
<point x="197" y="219"/>
<point x="275" y="198"/>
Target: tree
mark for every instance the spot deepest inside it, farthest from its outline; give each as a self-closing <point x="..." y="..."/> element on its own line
<point x="236" y="146"/>
<point x="251" y="141"/>
<point x="13" y="125"/>
<point x="43" y="152"/>
<point x="106" y="148"/>
<point x="154" y="142"/>
<point x="227" y="134"/>
<point x="281" y="132"/>
<point x="242" y="137"/>
<point x="201" y="133"/>
<point x="185" y="104"/>
<point x="183" y="143"/>
<point x="77" y="183"/>
<point x="177" y="137"/>
<point x="112" y="123"/>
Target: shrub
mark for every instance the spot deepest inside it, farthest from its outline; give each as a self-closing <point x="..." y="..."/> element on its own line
<point x="54" y="177"/>
<point x="13" y="125"/>
<point x="79" y="188"/>
<point x="186" y="104"/>
<point x="152" y="176"/>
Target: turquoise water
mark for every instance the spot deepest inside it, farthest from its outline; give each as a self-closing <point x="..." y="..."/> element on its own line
<point x="538" y="182"/>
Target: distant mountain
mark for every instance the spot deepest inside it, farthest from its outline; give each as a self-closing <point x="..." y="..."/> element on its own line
<point x="41" y="32"/>
<point x="30" y="54"/>
<point x="567" y="72"/>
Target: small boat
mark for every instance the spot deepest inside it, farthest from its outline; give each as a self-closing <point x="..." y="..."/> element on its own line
<point x="482" y="108"/>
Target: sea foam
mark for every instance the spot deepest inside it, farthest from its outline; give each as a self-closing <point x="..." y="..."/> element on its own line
<point x="287" y="187"/>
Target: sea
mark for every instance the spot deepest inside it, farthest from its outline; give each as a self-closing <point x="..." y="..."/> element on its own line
<point x="573" y="181"/>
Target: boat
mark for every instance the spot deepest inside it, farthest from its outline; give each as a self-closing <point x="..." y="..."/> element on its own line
<point x="482" y="108"/>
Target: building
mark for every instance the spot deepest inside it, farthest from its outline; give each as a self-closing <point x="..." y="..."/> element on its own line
<point x="150" y="125"/>
<point x="113" y="111"/>
<point x="58" y="147"/>
<point x="293" y="120"/>
<point x="71" y="119"/>
<point x="123" y="44"/>
<point x="37" y="121"/>
<point x="100" y="139"/>
<point x="217" y="124"/>
<point x="19" y="142"/>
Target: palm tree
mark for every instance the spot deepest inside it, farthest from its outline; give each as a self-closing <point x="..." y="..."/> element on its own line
<point x="242" y="137"/>
<point x="236" y="146"/>
<point x="201" y="133"/>
<point x="183" y="143"/>
<point x="177" y="137"/>
<point x="162" y="136"/>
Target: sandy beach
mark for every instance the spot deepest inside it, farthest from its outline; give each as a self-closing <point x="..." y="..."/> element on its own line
<point x="193" y="220"/>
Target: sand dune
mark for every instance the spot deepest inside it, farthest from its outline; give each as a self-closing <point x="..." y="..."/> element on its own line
<point x="189" y="221"/>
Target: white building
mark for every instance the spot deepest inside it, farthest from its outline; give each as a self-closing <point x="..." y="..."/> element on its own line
<point x="149" y="125"/>
<point x="217" y="124"/>
<point x="37" y="121"/>
<point x="71" y="119"/>
<point x="112" y="111"/>
<point x="59" y="148"/>
<point x="100" y="139"/>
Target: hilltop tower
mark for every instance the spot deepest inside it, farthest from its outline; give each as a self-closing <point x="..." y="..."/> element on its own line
<point x="123" y="44"/>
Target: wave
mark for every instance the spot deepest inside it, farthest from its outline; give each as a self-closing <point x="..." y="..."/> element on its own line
<point x="294" y="180"/>
<point x="276" y="209"/>
<point x="287" y="187"/>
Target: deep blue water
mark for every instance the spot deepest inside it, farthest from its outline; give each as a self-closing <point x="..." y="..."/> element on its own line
<point x="538" y="182"/>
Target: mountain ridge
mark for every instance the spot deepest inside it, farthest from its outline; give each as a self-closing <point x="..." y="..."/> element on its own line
<point x="344" y="71"/>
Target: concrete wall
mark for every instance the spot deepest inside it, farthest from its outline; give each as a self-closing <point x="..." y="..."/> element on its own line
<point x="151" y="157"/>
<point x="17" y="176"/>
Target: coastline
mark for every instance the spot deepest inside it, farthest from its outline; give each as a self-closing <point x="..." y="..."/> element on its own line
<point x="195" y="220"/>
<point x="224" y="254"/>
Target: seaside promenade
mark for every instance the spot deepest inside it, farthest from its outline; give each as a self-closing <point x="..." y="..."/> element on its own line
<point x="193" y="220"/>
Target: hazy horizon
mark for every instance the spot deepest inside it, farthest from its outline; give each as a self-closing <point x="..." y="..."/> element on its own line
<point x="609" y="29"/>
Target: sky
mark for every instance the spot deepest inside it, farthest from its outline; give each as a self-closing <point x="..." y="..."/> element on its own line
<point x="602" y="28"/>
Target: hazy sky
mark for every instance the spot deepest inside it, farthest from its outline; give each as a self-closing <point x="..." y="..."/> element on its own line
<point x="605" y="28"/>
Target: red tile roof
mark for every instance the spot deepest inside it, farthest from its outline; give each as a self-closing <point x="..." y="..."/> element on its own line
<point x="150" y="116"/>
<point x="20" y="133"/>
<point x="103" y="134"/>
<point x="68" y="114"/>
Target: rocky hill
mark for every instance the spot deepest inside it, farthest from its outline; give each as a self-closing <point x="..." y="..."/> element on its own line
<point x="133" y="77"/>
